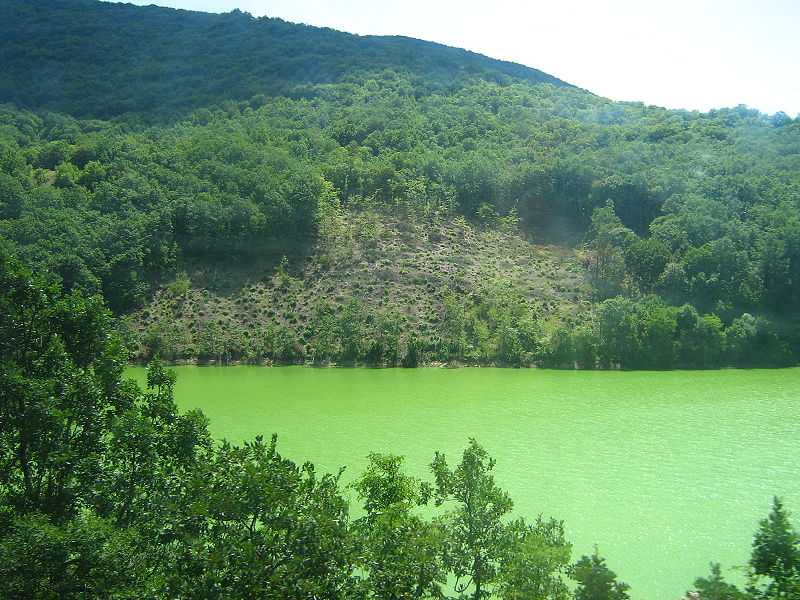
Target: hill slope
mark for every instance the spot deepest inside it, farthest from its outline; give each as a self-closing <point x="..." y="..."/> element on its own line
<point x="686" y="226"/>
<point x="374" y="290"/>
<point x="98" y="59"/>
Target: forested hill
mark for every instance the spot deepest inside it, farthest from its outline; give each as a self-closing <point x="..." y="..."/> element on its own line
<point x="386" y="201"/>
<point x="98" y="59"/>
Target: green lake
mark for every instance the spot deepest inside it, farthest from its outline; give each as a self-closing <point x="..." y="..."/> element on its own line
<point x="666" y="471"/>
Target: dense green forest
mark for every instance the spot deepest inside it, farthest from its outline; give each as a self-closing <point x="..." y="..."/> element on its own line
<point x="96" y="60"/>
<point x="676" y="232"/>
<point x="683" y="226"/>
<point x="107" y="491"/>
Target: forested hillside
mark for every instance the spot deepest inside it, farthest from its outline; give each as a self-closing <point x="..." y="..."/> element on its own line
<point x="402" y="215"/>
<point x="93" y="59"/>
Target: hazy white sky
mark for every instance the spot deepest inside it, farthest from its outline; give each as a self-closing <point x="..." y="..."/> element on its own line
<point x="694" y="54"/>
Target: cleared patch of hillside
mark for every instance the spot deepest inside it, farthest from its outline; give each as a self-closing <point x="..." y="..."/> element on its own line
<point x="445" y="288"/>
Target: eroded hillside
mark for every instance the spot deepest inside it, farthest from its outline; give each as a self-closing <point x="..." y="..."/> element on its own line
<point x="374" y="290"/>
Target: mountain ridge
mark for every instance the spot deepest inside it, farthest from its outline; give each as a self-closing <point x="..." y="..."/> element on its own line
<point x="156" y="60"/>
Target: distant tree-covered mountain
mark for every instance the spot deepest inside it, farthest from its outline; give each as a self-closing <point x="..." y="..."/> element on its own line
<point x="98" y="59"/>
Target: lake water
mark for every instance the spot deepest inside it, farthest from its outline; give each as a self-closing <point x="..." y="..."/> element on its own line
<point x="666" y="471"/>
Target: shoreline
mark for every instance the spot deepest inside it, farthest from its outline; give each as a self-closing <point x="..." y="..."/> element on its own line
<point x="439" y="365"/>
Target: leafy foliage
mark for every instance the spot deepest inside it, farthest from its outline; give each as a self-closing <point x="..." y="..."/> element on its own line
<point x="715" y="587"/>
<point x="776" y="556"/>
<point x="486" y="554"/>
<point x="402" y="550"/>
<point x="596" y="581"/>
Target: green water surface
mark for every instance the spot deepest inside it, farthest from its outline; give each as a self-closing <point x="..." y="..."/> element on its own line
<point x="666" y="471"/>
